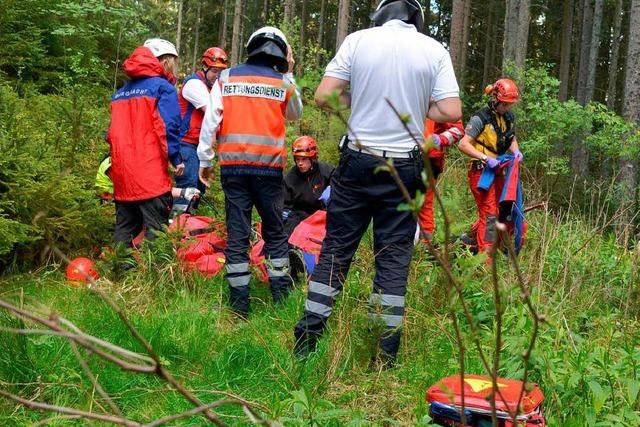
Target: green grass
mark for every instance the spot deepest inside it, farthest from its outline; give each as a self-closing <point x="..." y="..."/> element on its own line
<point x="585" y="359"/>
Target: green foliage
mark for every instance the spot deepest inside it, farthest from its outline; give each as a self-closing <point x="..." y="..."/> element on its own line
<point x="50" y="148"/>
<point x="56" y="44"/>
<point x="547" y="127"/>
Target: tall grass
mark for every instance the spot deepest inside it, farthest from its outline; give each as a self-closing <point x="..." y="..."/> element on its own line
<point x="585" y="360"/>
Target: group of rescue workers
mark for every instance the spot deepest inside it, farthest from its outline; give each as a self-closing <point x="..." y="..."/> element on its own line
<point x="239" y="113"/>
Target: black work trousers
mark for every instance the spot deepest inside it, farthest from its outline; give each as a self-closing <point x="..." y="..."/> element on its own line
<point x="266" y="193"/>
<point x="359" y="194"/>
<point x="132" y="217"/>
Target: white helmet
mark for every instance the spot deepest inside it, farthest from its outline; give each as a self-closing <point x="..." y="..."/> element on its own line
<point x="160" y="47"/>
<point x="266" y="32"/>
<point x="270" y="43"/>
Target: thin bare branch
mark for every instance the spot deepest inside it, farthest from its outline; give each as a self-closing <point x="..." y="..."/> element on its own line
<point x="82" y="340"/>
<point x="40" y="406"/>
<point x="537" y="318"/>
<point x="498" y="322"/>
<point x="198" y="410"/>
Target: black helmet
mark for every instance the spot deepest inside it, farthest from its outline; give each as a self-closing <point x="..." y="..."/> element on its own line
<point x="271" y="43"/>
<point x="409" y="11"/>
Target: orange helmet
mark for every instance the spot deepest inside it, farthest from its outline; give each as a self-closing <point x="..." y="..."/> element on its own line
<point x="81" y="270"/>
<point x="305" y="146"/>
<point x="504" y="90"/>
<point x="214" y="57"/>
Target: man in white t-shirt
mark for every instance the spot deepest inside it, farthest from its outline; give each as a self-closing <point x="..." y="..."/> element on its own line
<point x="193" y="98"/>
<point x="392" y="61"/>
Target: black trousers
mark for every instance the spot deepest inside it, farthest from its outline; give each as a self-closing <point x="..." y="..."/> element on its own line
<point x="132" y="217"/>
<point x="359" y="195"/>
<point x="266" y="193"/>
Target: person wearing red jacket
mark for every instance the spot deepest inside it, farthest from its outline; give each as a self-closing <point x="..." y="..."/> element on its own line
<point x="444" y="135"/>
<point x="143" y="136"/>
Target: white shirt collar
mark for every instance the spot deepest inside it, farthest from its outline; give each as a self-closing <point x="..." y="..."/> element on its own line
<point x="396" y="23"/>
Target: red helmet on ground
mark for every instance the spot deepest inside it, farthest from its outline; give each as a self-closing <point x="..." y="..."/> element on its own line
<point x="215" y="57"/>
<point x="504" y="90"/>
<point x="305" y="146"/>
<point x="82" y="270"/>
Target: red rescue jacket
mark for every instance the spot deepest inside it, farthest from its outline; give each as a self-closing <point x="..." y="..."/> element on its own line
<point x="144" y="129"/>
<point x="191" y="116"/>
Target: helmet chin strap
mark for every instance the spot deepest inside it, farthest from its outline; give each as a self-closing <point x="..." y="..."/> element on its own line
<point x="205" y="71"/>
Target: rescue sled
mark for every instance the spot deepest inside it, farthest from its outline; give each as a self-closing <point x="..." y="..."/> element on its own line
<point x="202" y="245"/>
<point x="307" y="237"/>
<point x="445" y="400"/>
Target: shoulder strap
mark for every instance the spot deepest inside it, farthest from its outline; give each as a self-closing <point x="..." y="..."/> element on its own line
<point x="488" y="116"/>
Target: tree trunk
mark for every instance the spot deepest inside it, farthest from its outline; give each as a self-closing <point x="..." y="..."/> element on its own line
<point x="580" y="156"/>
<point x="265" y="11"/>
<point x="457" y="34"/>
<point x="320" y="35"/>
<point x="427" y="17"/>
<point x="516" y="33"/>
<point x="235" y="35"/>
<point x="613" y="62"/>
<point x="593" y="50"/>
<point x="196" y="38"/>
<point x="577" y="39"/>
<point x="466" y="29"/>
<point x="303" y="39"/>
<point x="343" y="22"/>
<point x="222" y="38"/>
<point x="565" y="52"/>
<point x="585" y="52"/>
<point x="631" y="111"/>
<point x="179" y="30"/>
<point x="488" y="47"/>
<point x="288" y="11"/>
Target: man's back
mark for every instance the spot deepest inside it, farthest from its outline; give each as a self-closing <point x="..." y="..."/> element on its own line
<point x="395" y="62"/>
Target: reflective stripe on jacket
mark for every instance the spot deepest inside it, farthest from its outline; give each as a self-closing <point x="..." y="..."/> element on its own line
<point x="251" y="136"/>
<point x="190" y="115"/>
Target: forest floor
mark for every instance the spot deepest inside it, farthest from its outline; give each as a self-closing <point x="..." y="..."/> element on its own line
<point x="585" y="359"/>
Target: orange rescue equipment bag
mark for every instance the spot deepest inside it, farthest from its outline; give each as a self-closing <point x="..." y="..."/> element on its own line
<point x="445" y="400"/>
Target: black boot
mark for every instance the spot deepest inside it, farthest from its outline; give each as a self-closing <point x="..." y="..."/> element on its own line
<point x="239" y="301"/>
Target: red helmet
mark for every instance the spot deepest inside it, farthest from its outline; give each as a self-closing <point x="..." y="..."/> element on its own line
<point x="504" y="90"/>
<point x="305" y="146"/>
<point x="214" y="57"/>
<point x="82" y="270"/>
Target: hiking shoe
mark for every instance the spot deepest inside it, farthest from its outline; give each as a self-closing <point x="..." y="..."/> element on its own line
<point x="383" y="361"/>
<point x="469" y="242"/>
<point x="468" y="239"/>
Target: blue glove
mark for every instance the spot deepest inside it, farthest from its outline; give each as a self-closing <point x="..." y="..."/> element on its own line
<point x="285" y="214"/>
<point x="437" y="141"/>
<point x="492" y="163"/>
<point x="325" y="196"/>
<point x="518" y="155"/>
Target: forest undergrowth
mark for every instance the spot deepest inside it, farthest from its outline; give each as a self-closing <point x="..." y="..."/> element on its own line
<point x="586" y="357"/>
<point x="586" y="285"/>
